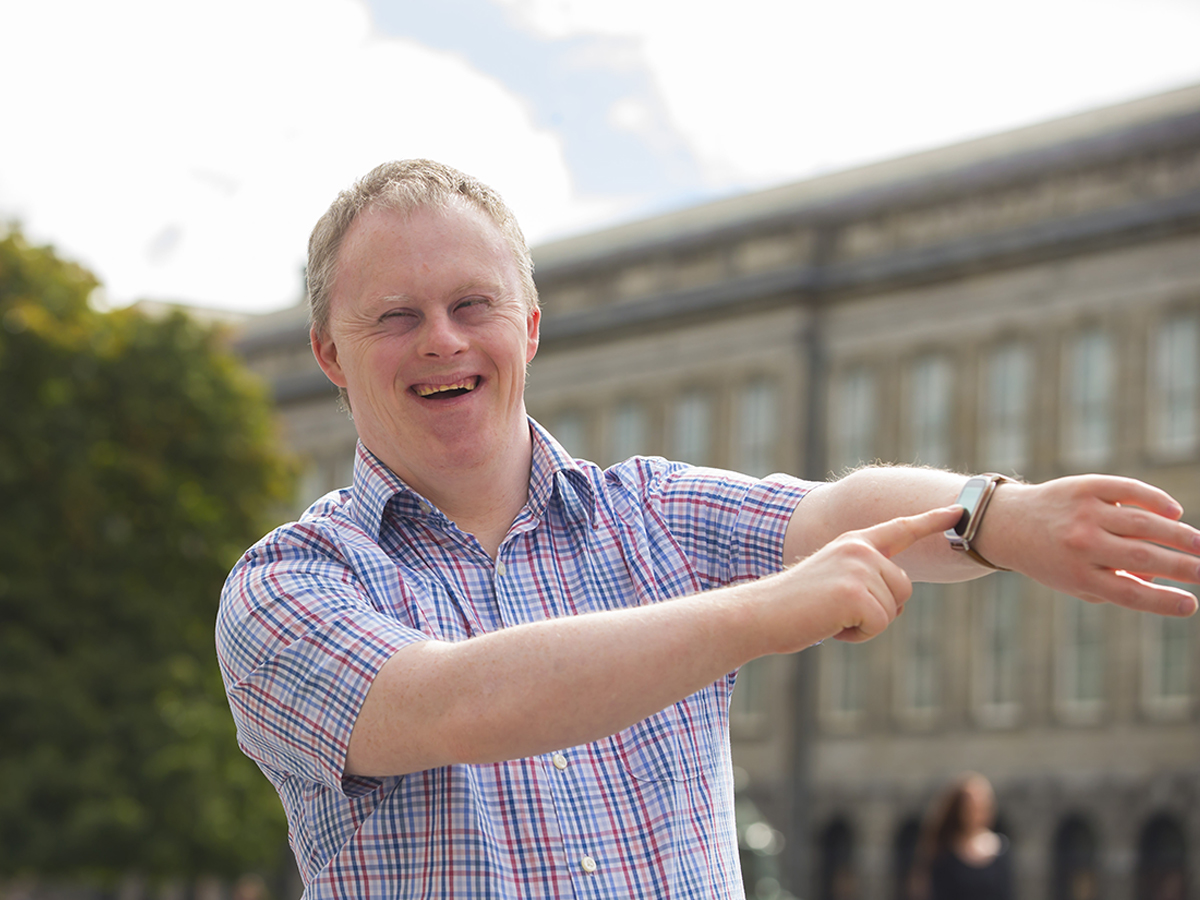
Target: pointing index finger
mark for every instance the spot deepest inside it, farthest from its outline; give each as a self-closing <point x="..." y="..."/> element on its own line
<point x="897" y="535"/>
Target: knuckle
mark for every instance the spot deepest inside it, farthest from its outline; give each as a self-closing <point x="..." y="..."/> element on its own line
<point x="857" y="548"/>
<point x="1077" y="537"/>
<point x="1139" y="520"/>
<point x="1140" y="556"/>
<point x="1127" y="594"/>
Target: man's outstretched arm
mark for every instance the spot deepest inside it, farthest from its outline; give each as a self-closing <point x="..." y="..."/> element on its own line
<point x="1098" y="537"/>
<point x="534" y="688"/>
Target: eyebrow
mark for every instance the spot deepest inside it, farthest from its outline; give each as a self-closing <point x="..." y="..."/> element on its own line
<point x="492" y="287"/>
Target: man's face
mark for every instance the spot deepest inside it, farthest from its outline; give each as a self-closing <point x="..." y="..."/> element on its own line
<point x="430" y="335"/>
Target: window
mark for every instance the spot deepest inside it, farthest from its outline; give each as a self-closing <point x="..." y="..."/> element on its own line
<point x="757" y="431"/>
<point x="1162" y="867"/>
<point x="1007" y="379"/>
<point x="998" y="648"/>
<point x="343" y="467"/>
<point x="1173" y="377"/>
<point x="570" y="429"/>
<point x="904" y="858"/>
<point x="1076" y="873"/>
<point x="692" y="434"/>
<point x="930" y="399"/>
<point x="748" y="706"/>
<point x="631" y="430"/>
<point x="920" y="656"/>
<point x="312" y="484"/>
<point x="843" y="683"/>
<point x="323" y="474"/>
<point x="1166" y="666"/>
<point x="836" y="879"/>
<point x="1080" y="674"/>
<point x="854" y="419"/>
<point x="1087" y="400"/>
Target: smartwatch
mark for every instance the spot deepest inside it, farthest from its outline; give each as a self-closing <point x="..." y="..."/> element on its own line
<point x="974" y="499"/>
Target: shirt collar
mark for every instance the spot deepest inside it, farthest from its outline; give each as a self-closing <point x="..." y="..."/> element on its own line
<point x="376" y="486"/>
<point x="554" y="467"/>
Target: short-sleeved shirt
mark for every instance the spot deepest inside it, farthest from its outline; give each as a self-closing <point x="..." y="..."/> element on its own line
<point x="313" y="611"/>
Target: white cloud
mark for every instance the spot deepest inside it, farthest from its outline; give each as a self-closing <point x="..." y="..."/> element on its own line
<point x="184" y="152"/>
<point x="766" y="90"/>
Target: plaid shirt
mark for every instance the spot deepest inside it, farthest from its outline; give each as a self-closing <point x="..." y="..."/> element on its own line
<point x="313" y="611"/>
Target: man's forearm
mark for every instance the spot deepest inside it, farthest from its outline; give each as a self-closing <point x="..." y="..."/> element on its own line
<point x="876" y="494"/>
<point x="534" y="688"/>
<point x="538" y="687"/>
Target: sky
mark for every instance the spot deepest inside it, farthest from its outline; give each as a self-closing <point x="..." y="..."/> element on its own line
<point x="183" y="150"/>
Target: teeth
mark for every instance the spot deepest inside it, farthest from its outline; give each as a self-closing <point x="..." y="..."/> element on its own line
<point x="428" y="390"/>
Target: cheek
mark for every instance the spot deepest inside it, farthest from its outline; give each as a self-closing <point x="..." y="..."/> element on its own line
<point x="379" y="365"/>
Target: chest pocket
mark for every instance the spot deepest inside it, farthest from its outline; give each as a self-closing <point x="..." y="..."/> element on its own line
<point x="675" y="744"/>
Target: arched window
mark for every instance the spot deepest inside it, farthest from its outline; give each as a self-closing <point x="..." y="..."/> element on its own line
<point x="1162" y="860"/>
<point x="837" y="881"/>
<point x="904" y="855"/>
<point x="1075" y="854"/>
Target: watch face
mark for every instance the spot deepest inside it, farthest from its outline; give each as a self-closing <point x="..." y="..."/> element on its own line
<point x="970" y="495"/>
<point x="969" y="500"/>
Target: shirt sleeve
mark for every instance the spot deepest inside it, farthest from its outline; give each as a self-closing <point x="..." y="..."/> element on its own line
<point x="730" y="526"/>
<point x="300" y="639"/>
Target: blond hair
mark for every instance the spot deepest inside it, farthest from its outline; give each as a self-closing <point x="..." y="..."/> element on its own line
<point x="404" y="186"/>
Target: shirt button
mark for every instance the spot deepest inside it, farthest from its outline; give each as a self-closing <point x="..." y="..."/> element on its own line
<point x="560" y="761"/>
<point x="501" y="568"/>
<point x="589" y="864"/>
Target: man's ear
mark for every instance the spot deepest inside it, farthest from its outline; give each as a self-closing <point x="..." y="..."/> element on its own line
<point x="533" y="323"/>
<point x="325" y="350"/>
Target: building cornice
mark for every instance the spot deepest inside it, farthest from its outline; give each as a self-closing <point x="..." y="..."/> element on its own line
<point x="809" y="282"/>
<point x="986" y="164"/>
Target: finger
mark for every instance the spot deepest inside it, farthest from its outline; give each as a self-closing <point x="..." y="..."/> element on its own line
<point x="1130" y="491"/>
<point x="897" y="535"/>
<point x="1145" y="559"/>
<point x="882" y="592"/>
<point x="898" y="585"/>
<point x="1132" y="522"/>
<point x="1131" y="592"/>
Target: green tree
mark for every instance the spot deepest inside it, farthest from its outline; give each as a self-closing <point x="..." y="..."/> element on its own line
<point x="136" y="463"/>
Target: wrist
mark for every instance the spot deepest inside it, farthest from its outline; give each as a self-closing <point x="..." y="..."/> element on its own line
<point x="995" y="537"/>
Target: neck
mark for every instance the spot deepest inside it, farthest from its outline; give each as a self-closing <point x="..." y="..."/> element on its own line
<point x="483" y="499"/>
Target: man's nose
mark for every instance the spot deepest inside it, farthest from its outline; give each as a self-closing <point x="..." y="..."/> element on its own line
<point x="440" y="336"/>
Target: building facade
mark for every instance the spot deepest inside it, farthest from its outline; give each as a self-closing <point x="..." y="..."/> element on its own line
<point x="1027" y="303"/>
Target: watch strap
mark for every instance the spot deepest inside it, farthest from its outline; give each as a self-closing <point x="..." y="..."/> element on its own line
<point x="975" y="555"/>
<point x="995" y="480"/>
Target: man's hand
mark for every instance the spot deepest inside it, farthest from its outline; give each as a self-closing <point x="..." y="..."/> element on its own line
<point x="851" y="589"/>
<point x="1101" y="538"/>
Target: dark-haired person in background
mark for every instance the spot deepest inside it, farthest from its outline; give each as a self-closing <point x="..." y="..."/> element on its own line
<point x="959" y="856"/>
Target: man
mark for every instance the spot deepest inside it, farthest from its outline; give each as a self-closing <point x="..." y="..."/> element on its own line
<point x="462" y="674"/>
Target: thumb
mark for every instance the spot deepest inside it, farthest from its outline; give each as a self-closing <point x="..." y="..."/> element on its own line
<point x="897" y="535"/>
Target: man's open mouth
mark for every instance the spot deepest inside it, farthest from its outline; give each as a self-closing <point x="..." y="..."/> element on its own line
<point x="446" y="391"/>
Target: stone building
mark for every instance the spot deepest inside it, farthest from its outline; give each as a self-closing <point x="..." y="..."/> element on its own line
<point x="1026" y="303"/>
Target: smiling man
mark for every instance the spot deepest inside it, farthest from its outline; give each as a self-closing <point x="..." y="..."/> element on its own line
<point x="488" y="670"/>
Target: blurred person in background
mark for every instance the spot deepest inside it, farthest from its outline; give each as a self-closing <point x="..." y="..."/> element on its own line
<point x="462" y="672"/>
<point x="959" y="856"/>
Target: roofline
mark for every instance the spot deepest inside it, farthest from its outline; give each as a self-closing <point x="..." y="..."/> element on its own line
<point x="1088" y="138"/>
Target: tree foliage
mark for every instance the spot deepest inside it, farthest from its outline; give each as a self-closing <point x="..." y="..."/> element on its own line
<point x="136" y="463"/>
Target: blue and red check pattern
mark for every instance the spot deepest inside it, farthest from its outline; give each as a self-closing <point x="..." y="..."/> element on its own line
<point x="313" y="611"/>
